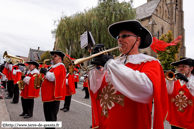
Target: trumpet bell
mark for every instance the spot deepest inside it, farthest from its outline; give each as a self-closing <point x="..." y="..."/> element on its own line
<point x="170" y="75"/>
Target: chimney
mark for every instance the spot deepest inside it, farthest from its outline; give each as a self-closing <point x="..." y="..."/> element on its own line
<point x="38" y="49"/>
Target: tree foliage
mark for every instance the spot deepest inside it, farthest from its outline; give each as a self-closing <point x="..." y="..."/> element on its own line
<point x="170" y="55"/>
<point x="45" y="55"/>
<point x="96" y="20"/>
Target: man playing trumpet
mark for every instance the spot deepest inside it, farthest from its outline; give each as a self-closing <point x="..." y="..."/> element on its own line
<point x="122" y="96"/>
<point x="181" y="95"/>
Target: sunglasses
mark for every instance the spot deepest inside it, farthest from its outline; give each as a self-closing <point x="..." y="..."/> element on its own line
<point x="124" y="36"/>
<point x="54" y="55"/>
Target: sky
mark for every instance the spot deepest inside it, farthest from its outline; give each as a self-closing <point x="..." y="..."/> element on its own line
<point x="26" y="24"/>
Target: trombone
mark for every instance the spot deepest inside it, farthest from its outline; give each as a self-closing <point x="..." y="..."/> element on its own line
<point x="70" y="63"/>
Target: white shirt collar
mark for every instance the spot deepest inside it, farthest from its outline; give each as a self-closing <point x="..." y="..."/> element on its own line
<point x="55" y="65"/>
<point x="137" y="58"/>
<point x="33" y="71"/>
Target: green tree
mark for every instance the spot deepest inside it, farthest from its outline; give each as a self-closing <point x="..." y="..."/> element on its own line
<point x="170" y="55"/>
<point x="96" y="20"/>
<point x="45" y="55"/>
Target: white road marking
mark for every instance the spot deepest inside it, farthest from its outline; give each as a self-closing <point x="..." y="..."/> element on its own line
<point x="81" y="102"/>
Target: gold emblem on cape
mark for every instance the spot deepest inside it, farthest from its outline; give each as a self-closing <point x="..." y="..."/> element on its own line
<point x="181" y="101"/>
<point x="108" y="98"/>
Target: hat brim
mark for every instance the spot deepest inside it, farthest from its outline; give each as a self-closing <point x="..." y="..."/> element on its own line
<point x="132" y="26"/>
<point x="186" y="61"/>
<point x="33" y="62"/>
<point x="20" y="64"/>
<point x="61" y="54"/>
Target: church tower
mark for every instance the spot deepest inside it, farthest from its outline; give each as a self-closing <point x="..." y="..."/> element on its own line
<point x="177" y="21"/>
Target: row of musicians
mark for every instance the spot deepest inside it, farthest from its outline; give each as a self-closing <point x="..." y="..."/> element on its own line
<point x="52" y="89"/>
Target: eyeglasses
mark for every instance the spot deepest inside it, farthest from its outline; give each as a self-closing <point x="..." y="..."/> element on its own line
<point x="124" y="36"/>
<point x="183" y="66"/>
<point x="55" y="55"/>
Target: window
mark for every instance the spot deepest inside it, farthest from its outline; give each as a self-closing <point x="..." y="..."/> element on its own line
<point x="162" y="30"/>
<point x="158" y="34"/>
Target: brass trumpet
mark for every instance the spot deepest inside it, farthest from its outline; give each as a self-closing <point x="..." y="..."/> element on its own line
<point x="170" y="75"/>
<point x="39" y="77"/>
<point x="70" y="63"/>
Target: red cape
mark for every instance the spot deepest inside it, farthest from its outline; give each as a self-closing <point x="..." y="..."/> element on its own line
<point x="56" y="90"/>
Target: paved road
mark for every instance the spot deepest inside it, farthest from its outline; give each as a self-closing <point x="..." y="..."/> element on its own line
<point x="78" y="117"/>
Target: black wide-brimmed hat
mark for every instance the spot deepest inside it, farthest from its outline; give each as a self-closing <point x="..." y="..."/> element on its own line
<point x="184" y="60"/>
<point x="59" y="53"/>
<point x="133" y="26"/>
<point x="20" y="64"/>
<point x="33" y="62"/>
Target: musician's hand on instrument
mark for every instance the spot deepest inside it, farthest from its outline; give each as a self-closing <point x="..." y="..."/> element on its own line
<point x="21" y="68"/>
<point x="43" y="70"/>
<point x="23" y="77"/>
<point x="98" y="48"/>
<point x="101" y="59"/>
<point x="181" y="77"/>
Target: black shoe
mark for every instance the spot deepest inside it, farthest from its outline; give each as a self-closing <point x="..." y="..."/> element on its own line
<point x="1" y="97"/>
<point x="90" y="126"/>
<point x="27" y="116"/>
<point x="86" y="98"/>
<point x="65" y="110"/>
<point x="22" y="114"/>
<point x="8" y="97"/>
<point x="13" y="102"/>
<point x="62" y="108"/>
<point x="5" y="90"/>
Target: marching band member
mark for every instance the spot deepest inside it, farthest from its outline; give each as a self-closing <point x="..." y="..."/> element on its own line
<point x="122" y="96"/>
<point x="76" y="76"/>
<point x="17" y="71"/>
<point x="70" y="90"/>
<point x="8" y="71"/>
<point x="29" y="92"/>
<point x="181" y="95"/>
<point x="85" y="85"/>
<point x="3" y="77"/>
<point x="54" y="86"/>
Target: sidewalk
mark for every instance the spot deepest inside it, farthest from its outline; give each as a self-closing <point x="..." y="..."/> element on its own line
<point x="4" y="115"/>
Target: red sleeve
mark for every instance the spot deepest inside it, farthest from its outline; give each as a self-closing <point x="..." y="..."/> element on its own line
<point x="5" y="72"/>
<point x="17" y="77"/>
<point x="60" y="81"/>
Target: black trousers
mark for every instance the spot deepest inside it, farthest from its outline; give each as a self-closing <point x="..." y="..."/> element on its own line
<point x="67" y="102"/>
<point x="51" y="110"/>
<point x="86" y="92"/>
<point x="174" y="127"/>
<point x="4" y="84"/>
<point x="75" y="84"/>
<point x="16" y="93"/>
<point x="27" y="106"/>
<point x="10" y="88"/>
